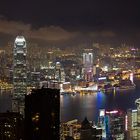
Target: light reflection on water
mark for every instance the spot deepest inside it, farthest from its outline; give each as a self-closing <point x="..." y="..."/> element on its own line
<point x="81" y="106"/>
<point x="88" y="105"/>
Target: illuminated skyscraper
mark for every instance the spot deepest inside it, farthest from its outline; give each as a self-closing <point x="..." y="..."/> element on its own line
<point x="113" y="124"/>
<point x="88" y="66"/>
<point x="19" y="74"/>
<point x="88" y="59"/>
<point x="102" y="122"/>
<point x="116" y="124"/>
<point x="132" y="124"/>
<point x="137" y="102"/>
<point x="59" y="72"/>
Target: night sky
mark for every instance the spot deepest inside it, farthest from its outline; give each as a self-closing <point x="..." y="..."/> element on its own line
<point x="109" y="21"/>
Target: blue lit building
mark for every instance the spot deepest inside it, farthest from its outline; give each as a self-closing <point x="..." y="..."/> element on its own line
<point x="113" y="124"/>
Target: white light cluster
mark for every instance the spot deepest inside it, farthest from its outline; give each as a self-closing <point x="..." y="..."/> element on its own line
<point x="20" y="40"/>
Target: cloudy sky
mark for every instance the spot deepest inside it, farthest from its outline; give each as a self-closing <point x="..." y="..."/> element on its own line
<point x="71" y="20"/>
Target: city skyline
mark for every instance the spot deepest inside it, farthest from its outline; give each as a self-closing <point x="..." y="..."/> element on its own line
<point x="88" y="79"/>
<point x="70" y="70"/>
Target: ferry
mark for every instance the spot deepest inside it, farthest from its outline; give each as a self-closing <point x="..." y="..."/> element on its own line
<point x="122" y="88"/>
<point x="68" y="93"/>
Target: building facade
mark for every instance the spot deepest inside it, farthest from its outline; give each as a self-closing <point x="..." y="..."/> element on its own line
<point x="132" y="124"/>
<point x="90" y="132"/>
<point x="116" y="124"/>
<point x="11" y="126"/>
<point x="42" y="114"/>
<point x="137" y="102"/>
<point x="70" y="129"/>
<point x="113" y="124"/>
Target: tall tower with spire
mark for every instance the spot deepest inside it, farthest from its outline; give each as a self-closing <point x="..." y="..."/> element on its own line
<point x="19" y="74"/>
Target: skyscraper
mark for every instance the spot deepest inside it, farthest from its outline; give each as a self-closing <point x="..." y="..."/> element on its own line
<point x="88" y="65"/>
<point x="42" y="114"/>
<point x="132" y="124"/>
<point x="137" y="102"/>
<point x="113" y="124"/>
<point x="116" y="124"/>
<point x="59" y="72"/>
<point x="19" y="74"/>
<point x="87" y="59"/>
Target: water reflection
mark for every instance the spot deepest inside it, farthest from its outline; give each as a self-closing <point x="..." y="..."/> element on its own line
<point x="88" y="105"/>
<point x="81" y="106"/>
<point x="101" y="98"/>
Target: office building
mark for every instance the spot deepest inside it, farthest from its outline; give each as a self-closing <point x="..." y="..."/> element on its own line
<point x="35" y="79"/>
<point x="59" y="72"/>
<point x="131" y="124"/>
<point x="115" y="124"/>
<point x="137" y="102"/>
<point x="42" y="114"/>
<point x="88" y="66"/>
<point x="87" y="59"/>
<point x="102" y="122"/>
<point x="70" y="129"/>
<point x="11" y="126"/>
<point x="19" y="74"/>
<point x="90" y="132"/>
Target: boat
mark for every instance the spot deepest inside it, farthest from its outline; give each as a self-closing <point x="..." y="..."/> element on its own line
<point x="122" y="88"/>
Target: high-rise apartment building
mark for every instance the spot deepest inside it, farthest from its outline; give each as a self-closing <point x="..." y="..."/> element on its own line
<point x="137" y="102"/>
<point x="19" y="74"/>
<point x="42" y="114"/>
<point x="131" y="124"/>
<point x="11" y="126"/>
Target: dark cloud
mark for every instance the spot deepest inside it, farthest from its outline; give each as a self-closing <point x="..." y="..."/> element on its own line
<point x="74" y="23"/>
<point x="48" y="33"/>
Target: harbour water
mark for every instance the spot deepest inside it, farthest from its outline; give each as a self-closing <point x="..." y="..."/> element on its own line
<point x="81" y="106"/>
